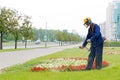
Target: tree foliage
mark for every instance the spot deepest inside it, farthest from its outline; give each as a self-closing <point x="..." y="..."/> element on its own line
<point x="6" y="21"/>
<point x="14" y="25"/>
<point x="10" y="23"/>
<point x="26" y="29"/>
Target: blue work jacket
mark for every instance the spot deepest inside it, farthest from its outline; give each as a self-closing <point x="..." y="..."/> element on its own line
<point x="94" y="35"/>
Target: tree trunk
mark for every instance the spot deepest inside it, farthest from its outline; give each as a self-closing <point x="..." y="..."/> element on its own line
<point x="61" y="43"/>
<point x="16" y="42"/>
<point x="25" y="43"/>
<point x="1" y="36"/>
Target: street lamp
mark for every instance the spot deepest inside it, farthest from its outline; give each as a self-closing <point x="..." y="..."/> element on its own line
<point x="45" y="37"/>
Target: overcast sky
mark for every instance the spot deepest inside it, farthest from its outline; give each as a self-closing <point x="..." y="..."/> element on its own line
<point x="61" y="14"/>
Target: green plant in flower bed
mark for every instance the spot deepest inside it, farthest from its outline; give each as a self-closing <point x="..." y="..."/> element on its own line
<point x="22" y="71"/>
<point x="64" y="64"/>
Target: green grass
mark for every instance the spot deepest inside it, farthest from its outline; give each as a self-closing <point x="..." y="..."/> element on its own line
<point x="8" y="50"/>
<point x="19" y="49"/>
<point x="22" y="71"/>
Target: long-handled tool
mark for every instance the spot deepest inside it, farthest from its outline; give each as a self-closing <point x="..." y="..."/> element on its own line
<point x="87" y="51"/>
<point x="87" y="48"/>
<point x="68" y="67"/>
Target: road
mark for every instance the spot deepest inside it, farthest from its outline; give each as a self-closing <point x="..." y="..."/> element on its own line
<point x="29" y="45"/>
<point x="17" y="57"/>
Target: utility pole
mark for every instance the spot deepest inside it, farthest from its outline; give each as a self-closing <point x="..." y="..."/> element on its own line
<point x="46" y="37"/>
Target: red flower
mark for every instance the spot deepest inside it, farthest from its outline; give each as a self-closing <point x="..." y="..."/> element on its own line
<point x="36" y="69"/>
<point x="72" y="67"/>
<point x="105" y="63"/>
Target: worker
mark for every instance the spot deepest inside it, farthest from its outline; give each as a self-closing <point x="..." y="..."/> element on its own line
<point x="96" y="49"/>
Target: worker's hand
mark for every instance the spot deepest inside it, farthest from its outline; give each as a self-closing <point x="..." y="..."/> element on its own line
<point x="89" y="41"/>
<point x="81" y="47"/>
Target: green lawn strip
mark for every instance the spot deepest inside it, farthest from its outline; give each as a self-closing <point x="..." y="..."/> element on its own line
<point x="22" y="71"/>
<point x="18" y="49"/>
<point x="9" y="50"/>
<point x="104" y="74"/>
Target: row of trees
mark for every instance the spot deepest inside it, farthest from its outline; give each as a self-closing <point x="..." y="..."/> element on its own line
<point x="15" y="26"/>
<point x="56" y="35"/>
<point x="11" y="22"/>
<point x="52" y="35"/>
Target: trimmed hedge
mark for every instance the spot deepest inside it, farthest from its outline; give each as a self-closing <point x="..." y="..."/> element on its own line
<point x="112" y="44"/>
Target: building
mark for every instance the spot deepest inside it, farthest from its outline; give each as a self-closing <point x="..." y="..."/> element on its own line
<point x="112" y="28"/>
<point x="103" y="28"/>
<point x="116" y="20"/>
<point x="110" y="25"/>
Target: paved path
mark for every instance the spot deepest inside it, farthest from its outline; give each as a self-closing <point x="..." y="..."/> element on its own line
<point x="16" y="57"/>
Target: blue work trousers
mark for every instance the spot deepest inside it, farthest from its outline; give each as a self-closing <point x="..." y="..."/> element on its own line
<point x="95" y="54"/>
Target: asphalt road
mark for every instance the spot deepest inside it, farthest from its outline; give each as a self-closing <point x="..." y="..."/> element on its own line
<point x="29" y="45"/>
<point x="17" y="57"/>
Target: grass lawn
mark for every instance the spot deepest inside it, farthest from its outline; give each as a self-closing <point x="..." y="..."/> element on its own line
<point x="8" y="50"/>
<point x="22" y="71"/>
<point x="19" y="49"/>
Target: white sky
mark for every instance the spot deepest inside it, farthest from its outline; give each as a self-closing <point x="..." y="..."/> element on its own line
<point x="61" y="14"/>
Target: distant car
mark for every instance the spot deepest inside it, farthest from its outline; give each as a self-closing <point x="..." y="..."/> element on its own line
<point x="37" y="42"/>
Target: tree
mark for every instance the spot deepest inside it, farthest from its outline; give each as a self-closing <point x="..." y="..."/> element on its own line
<point x="26" y="29"/>
<point x="60" y="37"/>
<point x="5" y="16"/>
<point x="14" y="25"/>
<point x="65" y="36"/>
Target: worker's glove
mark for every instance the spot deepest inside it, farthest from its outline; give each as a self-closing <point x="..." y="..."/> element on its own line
<point x="89" y="41"/>
<point x="81" y="47"/>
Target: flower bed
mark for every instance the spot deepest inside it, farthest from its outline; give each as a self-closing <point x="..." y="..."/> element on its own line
<point x="64" y="64"/>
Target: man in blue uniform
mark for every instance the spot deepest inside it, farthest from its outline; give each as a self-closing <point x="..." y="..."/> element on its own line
<point x="95" y="38"/>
